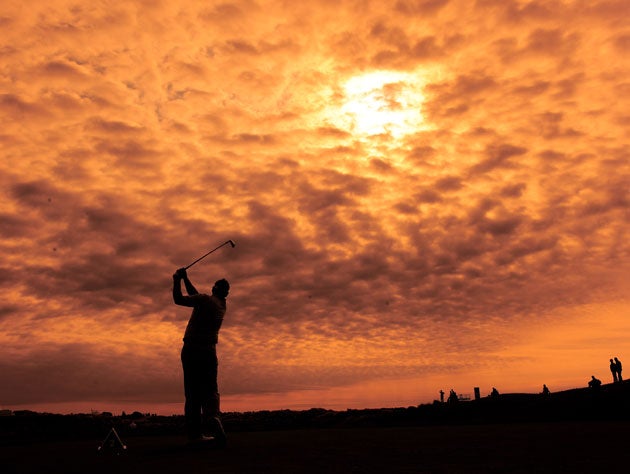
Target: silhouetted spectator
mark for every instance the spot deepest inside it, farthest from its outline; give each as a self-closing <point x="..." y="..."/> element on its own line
<point x="618" y="370"/>
<point x="594" y="382"/>
<point x="494" y="393"/>
<point x="613" y="369"/>
<point x="452" y="397"/>
<point x="442" y="396"/>
<point x="545" y="390"/>
<point x="199" y="356"/>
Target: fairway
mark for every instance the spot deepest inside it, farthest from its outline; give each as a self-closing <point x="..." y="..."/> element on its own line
<point x="585" y="447"/>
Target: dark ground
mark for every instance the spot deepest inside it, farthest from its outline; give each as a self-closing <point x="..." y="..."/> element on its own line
<point x="574" y="431"/>
<point x="553" y="447"/>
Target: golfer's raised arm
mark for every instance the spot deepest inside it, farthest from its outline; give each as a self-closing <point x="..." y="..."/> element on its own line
<point x="178" y="298"/>
<point x="190" y="289"/>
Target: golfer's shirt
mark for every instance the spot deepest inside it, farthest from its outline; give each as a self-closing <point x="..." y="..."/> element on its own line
<point x="205" y="320"/>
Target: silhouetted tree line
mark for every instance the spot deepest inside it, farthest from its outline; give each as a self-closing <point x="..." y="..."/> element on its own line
<point x="610" y="402"/>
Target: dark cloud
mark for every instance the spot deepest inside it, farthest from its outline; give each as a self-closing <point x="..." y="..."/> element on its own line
<point x="533" y="11"/>
<point x="622" y="43"/>
<point x="132" y="154"/>
<point x="401" y="48"/>
<point x="15" y="226"/>
<point x="550" y="126"/>
<point x="553" y="42"/>
<point x="115" y="127"/>
<point x="261" y="48"/>
<point x="11" y="105"/>
<point x="449" y="183"/>
<point x="92" y="279"/>
<point x="8" y="310"/>
<point x="393" y="36"/>
<point x="497" y="156"/>
<point x="321" y="200"/>
<point x="40" y="200"/>
<point x="459" y="96"/>
<point x="237" y="46"/>
<point x="68" y="102"/>
<point x="72" y="372"/>
<point x="333" y="132"/>
<point x="428" y="196"/>
<point x="381" y="166"/>
<point x="305" y="377"/>
<point x="614" y="197"/>
<point x="526" y="246"/>
<point x="610" y="10"/>
<point x="567" y="88"/>
<point x="223" y="12"/>
<point x="422" y="153"/>
<point x="419" y="7"/>
<point x="533" y="90"/>
<point x="513" y="190"/>
<point x="253" y="138"/>
<point x="63" y="69"/>
<point x="500" y="226"/>
<point x="467" y="85"/>
<point x="426" y="47"/>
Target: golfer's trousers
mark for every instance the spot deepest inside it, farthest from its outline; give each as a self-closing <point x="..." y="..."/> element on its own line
<point x="200" y="366"/>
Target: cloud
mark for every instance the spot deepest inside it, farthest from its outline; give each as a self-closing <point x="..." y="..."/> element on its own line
<point x="84" y="372"/>
<point x="61" y="69"/>
<point x="8" y="310"/>
<point x="14" y="106"/>
<point x="415" y="7"/>
<point x="497" y="156"/>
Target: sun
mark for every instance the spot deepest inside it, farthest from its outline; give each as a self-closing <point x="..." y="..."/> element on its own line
<point x="381" y="103"/>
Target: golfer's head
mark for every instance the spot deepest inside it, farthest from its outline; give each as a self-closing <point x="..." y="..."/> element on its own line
<point x="221" y="288"/>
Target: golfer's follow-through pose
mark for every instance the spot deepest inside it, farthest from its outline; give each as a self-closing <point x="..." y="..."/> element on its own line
<point x="199" y="356"/>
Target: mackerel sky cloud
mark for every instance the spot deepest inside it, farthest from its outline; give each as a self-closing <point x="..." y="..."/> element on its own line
<point x="424" y="194"/>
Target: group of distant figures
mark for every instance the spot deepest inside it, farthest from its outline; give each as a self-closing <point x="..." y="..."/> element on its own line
<point x="453" y="397"/>
<point x="615" y="370"/>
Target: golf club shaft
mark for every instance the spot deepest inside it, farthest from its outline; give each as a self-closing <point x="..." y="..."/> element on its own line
<point x="205" y="255"/>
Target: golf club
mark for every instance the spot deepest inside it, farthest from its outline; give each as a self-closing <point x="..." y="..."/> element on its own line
<point x="231" y="242"/>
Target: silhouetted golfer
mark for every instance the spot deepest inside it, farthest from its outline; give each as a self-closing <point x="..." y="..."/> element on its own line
<point x="618" y="370"/>
<point x="613" y="369"/>
<point x="199" y="356"/>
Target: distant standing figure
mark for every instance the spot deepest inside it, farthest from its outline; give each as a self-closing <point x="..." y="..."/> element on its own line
<point x="618" y="370"/>
<point x="452" y="397"/>
<point x="442" y="396"/>
<point x="613" y="369"/>
<point x="199" y="356"/>
<point x="545" y="390"/>
<point x="594" y="382"/>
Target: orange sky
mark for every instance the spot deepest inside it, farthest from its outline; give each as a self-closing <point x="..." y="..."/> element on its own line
<point x="425" y="195"/>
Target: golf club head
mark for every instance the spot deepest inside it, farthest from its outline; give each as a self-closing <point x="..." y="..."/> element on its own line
<point x="232" y="243"/>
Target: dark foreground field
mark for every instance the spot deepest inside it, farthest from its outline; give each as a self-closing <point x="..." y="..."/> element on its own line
<point x="541" y="447"/>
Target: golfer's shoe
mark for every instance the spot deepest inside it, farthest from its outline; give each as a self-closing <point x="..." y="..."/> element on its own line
<point x="219" y="432"/>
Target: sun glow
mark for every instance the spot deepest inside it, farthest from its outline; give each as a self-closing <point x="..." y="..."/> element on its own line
<point x="382" y="102"/>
